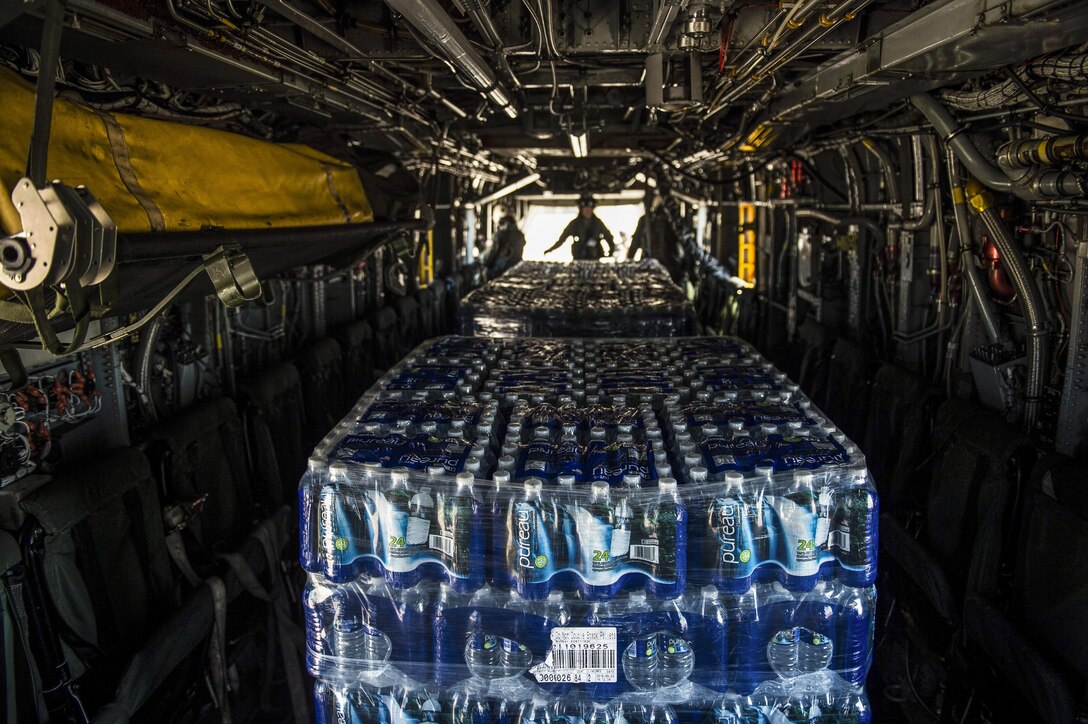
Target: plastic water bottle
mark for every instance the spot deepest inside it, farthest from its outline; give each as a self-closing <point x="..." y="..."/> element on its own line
<point x="854" y="632"/>
<point x="819" y="609"/>
<point x="536" y="711"/>
<point x="394" y="513"/>
<point x="417" y="706"/>
<point x="632" y="616"/>
<point x="745" y="641"/>
<point x="854" y="708"/>
<point x="620" y="547"/>
<point x="401" y="613"/>
<point x="564" y="534"/>
<point x="731" y="544"/>
<point x="470" y="707"/>
<point x="668" y="520"/>
<point x="450" y="627"/>
<point x="797" y="514"/>
<point x="336" y="704"/>
<point x="675" y="659"/>
<point x="854" y="528"/>
<point x="708" y="626"/>
<point x="534" y="560"/>
<point x="596" y="522"/>
<point x="641" y="661"/>
<point x="462" y="535"/>
<point x="342" y="530"/>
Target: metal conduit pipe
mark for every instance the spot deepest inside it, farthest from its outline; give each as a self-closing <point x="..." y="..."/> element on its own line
<point x="1026" y="153"/>
<point x="982" y="203"/>
<point x="967" y="246"/>
<point x="787" y="54"/>
<point x="887" y="168"/>
<point x="663" y="21"/>
<point x="966" y="151"/>
<point x="853" y="177"/>
<point x="819" y="216"/>
<point x="482" y="19"/>
<point x="929" y="211"/>
<point x="1028" y="183"/>
<point x="428" y="17"/>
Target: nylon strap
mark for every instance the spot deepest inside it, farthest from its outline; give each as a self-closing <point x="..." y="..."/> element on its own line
<point x="175" y="546"/>
<point x="123" y="161"/>
<point x="217" y="651"/>
<point x="13" y="590"/>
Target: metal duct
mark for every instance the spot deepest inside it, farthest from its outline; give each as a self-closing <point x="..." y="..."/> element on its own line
<point x="482" y="19"/>
<point x="428" y="17"/>
<point x="1028" y="183"/>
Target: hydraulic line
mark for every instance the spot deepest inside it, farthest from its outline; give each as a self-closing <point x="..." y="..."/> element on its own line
<point x="967" y="255"/>
<point x="1028" y="183"/>
<point x="884" y="160"/>
<point x="1048" y="151"/>
<point x="982" y="203"/>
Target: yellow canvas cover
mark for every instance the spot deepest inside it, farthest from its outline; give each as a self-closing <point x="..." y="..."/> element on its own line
<point x="153" y="175"/>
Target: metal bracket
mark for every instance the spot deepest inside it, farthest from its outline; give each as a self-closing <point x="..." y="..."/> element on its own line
<point x="67" y="236"/>
<point x="232" y="276"/>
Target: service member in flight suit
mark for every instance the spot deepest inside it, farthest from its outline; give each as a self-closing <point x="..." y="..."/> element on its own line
<point x="589" y="232"/>
<point x="507" y="245"/>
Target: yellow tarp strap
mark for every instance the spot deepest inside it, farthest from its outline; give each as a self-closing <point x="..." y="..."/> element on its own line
<point x="153" y="175"/>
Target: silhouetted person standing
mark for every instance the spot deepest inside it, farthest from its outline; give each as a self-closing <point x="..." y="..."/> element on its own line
<point x="589" y="233"/>
<point x="654" y="235"/>
<point x="507" y="245"/>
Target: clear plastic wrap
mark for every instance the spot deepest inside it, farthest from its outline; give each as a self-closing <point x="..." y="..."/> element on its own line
<point x="579" y="299"/>
<point x="588" y="522"/>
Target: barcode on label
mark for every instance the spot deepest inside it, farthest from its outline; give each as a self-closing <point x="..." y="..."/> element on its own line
<point x="442" y="544"/>
<point x="840" y="539"/>
<point x="579" y="655"/>
<point x="645" y="553"/>
<point x="583" y="658"/>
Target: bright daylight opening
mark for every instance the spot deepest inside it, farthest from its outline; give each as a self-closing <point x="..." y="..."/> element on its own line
<point x="542" y="225"/>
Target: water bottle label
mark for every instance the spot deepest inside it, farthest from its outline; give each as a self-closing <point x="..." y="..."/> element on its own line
<point x="596" y="530"/>
<point x="580" y="655"/>
<point x="621" y="543"/>
<point x="533" y="549"/>
<point x="721" y="455"/>
<point x="731" y="520"/>
<point x="792" y="453"/>
<point x="798" y="525"/>
<point x="417" y="452"/>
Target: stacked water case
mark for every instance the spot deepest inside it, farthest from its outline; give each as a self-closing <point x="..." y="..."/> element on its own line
<point x="579" y="299"/>
<point x="606" y="531"/>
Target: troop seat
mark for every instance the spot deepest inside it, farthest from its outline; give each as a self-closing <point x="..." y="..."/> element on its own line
<point x="896" y="436"/>
<point x="324" y="402"/>
<point x="130" y="640"/>
<point x="386" y="338"/>
<point x="272" y="405"/>
<point x="813" y="347"/>
<point x="356" y="341"/>
<point x="1028" y="647"/>
<point x="848" y="386"/>
<point x="956" y="550"/>
<point x="428" y="325"/>
<point x="407" y="310"/>
<point x="225" y="533"/>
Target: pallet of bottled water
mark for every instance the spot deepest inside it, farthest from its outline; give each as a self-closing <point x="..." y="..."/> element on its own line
<point x="580" y="299"/>
<point x="588" y="530"/>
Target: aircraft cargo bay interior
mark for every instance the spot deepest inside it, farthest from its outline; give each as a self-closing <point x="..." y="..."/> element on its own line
<point x="544" y="361"/>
